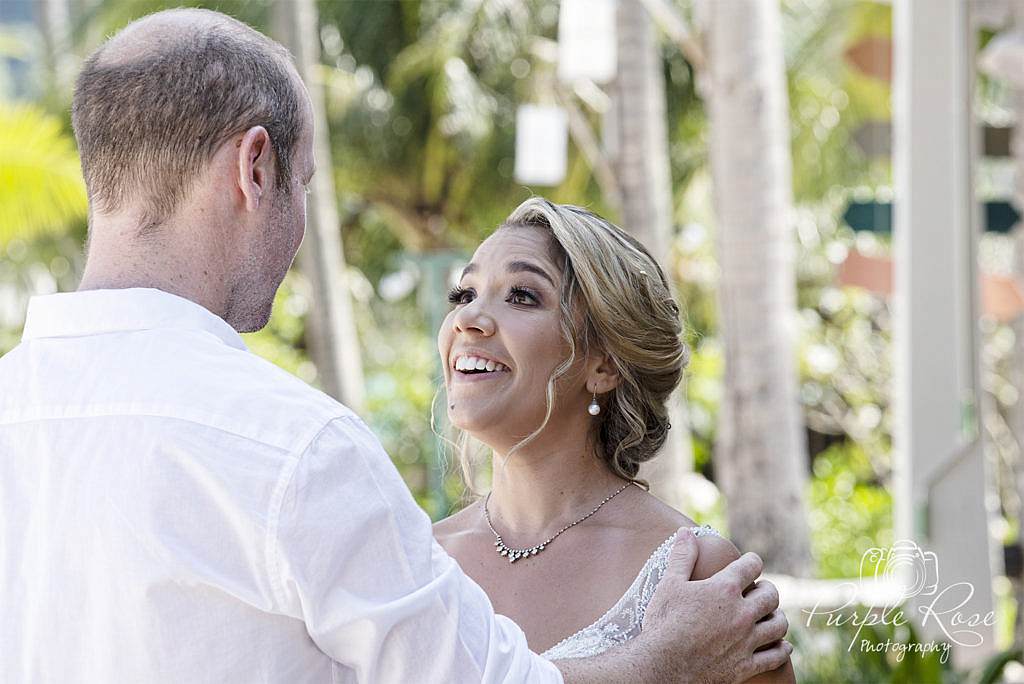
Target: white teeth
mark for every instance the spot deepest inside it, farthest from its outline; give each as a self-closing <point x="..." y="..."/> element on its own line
<point x="468" y="363"/>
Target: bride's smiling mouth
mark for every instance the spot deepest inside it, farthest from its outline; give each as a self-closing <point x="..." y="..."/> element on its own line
<point x="475" y="367"/>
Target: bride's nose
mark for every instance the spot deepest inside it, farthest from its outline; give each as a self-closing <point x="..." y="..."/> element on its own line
<point x="473" y="318"/>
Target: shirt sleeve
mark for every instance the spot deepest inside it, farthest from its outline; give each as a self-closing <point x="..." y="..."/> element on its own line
<point x="354" y="557"/>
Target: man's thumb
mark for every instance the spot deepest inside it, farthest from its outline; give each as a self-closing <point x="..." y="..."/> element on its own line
<point x="684" y="554"/>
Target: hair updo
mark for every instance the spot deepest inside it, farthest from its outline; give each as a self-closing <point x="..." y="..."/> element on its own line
<point x="615" y="298"/>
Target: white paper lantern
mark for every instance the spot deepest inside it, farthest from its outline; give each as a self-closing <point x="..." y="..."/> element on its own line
<point x="586" y="40"/>
<point x="542" y="140"/>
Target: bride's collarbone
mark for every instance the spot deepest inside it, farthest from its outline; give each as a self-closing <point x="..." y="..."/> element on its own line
<point x="555" y="597"/>
<point x="603" y="568"/>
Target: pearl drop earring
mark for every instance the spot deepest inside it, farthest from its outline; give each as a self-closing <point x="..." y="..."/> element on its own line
<point x="593" y="409"/>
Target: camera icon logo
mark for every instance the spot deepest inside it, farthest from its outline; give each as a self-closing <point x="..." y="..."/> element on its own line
<point x="916" y="570"/>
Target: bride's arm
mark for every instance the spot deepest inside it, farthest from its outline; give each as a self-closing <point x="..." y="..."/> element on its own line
<point x="715" y="554"/>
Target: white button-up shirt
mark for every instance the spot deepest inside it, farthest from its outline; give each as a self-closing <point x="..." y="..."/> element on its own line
<point x="175" y="509"/>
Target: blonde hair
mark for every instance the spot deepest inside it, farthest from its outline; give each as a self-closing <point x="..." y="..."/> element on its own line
<point x="614" y="298"/>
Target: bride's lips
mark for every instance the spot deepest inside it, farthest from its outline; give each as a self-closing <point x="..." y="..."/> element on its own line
<point x="460" y="377"/>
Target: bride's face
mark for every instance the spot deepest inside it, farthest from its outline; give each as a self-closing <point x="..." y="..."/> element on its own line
<point x="505" y="318"/>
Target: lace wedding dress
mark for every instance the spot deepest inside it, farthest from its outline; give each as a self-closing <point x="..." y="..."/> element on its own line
<point x="624" y="620"/>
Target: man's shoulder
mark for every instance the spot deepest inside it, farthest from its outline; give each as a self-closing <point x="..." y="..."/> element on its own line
<point x="156" y="374"/>
<point x="250" y="371"/>
<point x="268" y="402"/>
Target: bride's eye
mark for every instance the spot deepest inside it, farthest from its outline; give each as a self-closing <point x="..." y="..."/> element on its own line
<point x="521" y="295"/>
<point x="460" y="295"/>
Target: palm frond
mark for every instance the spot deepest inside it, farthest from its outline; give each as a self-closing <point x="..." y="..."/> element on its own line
<point x="41" y="186"/>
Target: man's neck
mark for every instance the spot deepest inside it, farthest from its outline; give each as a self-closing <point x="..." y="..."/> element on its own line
<point x="119" y="260"/>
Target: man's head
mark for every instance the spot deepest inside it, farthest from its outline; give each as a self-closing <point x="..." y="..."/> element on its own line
<point x="199" y="129"/>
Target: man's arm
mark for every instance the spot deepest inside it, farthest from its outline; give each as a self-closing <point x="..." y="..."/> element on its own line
<point x="353" y="557"/>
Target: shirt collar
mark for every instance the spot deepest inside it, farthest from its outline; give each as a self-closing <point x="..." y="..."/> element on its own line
<point x="93" y="312"/>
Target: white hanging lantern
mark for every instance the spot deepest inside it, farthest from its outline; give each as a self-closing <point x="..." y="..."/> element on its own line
<point x="542" y="140"/>
<point x="586" y="40"/>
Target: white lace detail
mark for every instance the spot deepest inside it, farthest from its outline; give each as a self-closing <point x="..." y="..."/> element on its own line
<point x="624" y="620"/>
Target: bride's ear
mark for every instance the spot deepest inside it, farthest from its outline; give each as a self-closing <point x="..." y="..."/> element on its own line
<point x="602" y="373"/>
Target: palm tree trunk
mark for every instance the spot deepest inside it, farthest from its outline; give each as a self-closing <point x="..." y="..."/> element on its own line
<point x="331" y="332"/>
<point x="54" y="20"/>
<point x="761" y="452"/>
<point x="644" y="178"/>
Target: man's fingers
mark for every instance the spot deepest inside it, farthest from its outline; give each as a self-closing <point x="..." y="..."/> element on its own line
<point x="744" y="570"/>
<point x="771" y="630"/>
<point x="771" y="658"/>
<point x="763" y="599"/>
<point x="684" y="554"/>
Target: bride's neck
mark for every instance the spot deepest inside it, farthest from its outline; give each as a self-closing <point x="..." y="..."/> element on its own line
<point x="540" y="489"/>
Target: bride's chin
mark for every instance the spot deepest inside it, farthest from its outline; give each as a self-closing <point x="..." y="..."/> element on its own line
<point x="460" y="421"/>
<point x="474" y="428"/>
<point x="478" y="427"/>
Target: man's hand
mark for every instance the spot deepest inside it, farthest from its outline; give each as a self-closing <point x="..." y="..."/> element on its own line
<point x="698" y="632"/>
<point x="720" y="630"/>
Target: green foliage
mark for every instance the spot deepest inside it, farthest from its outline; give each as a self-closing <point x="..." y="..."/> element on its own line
<point x="282" y="341"/>
<point x="41" y="186"/>
<point x="401" y="381"/>
<point x="426" y="131"/>
<point x="704" y="392"/>
<point x="849" y="513"/>
<point x="829" y="99"/>
<point x="97" y="21"/>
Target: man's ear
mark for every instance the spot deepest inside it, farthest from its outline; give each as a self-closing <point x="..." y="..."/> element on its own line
<point x="602" y="375"/>
<point x="255" y="166"/>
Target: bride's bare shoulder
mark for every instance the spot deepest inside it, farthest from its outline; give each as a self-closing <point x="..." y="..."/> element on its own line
<point x="660" y="521"/>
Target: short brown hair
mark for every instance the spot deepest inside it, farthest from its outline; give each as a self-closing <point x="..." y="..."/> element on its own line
<point x="148" y="124"/>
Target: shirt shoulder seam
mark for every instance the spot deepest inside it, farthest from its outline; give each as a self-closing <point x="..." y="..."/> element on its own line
<point x="284" y="480"/>
<point x="207" y="420"/>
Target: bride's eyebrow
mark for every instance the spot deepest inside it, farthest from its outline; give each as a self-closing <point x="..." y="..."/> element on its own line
<point x="527" y="267"/>
<point x="515" y="267"/>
